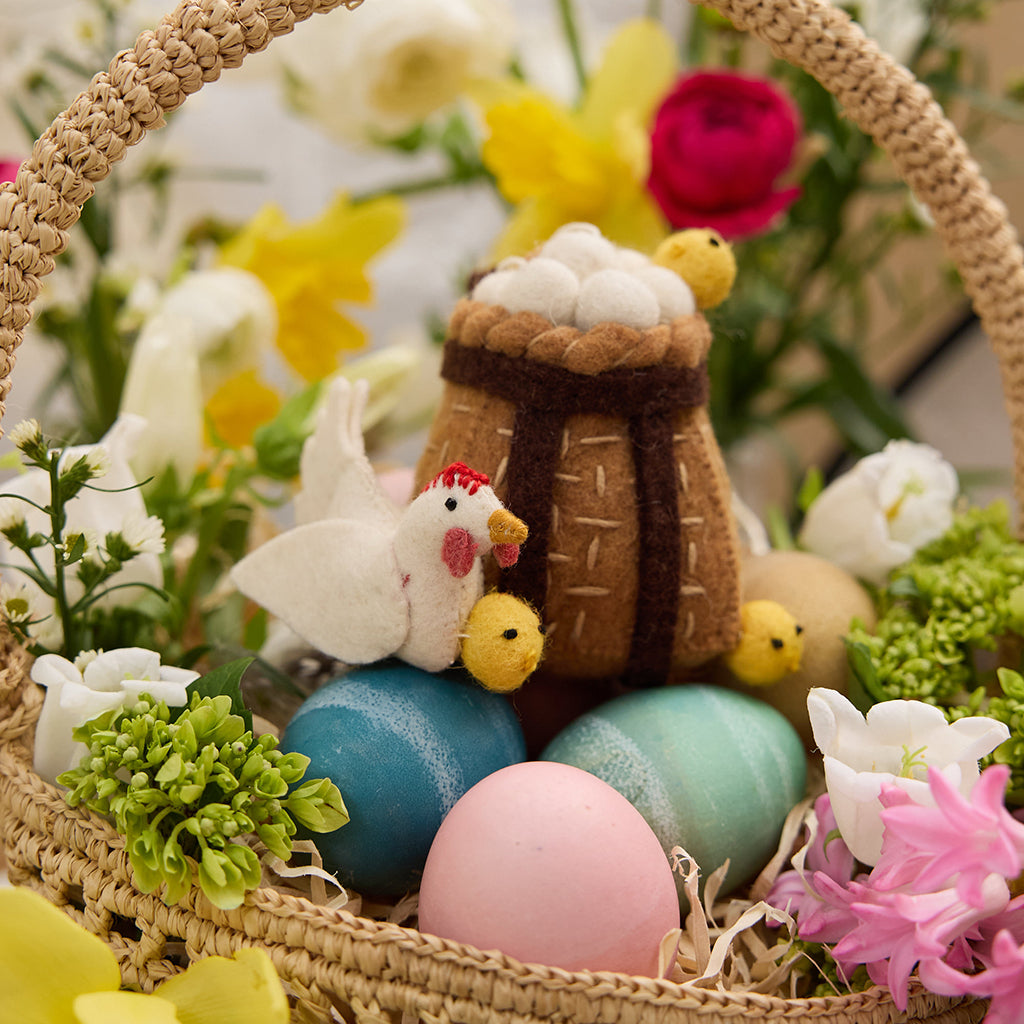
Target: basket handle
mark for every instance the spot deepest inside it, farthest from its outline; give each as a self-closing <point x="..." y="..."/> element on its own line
<point x="201" y="37"/>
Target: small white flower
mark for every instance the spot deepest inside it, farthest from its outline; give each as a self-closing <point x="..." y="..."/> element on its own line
<point x="97" y="682"/>
<point x="25" y="432"/>
<point x="97" y="459"/>
<point x="876" y="516"/>
<point x="92" y="513"/>
<point x="17" y="602"/>
<point x="145" y="534"/>
<point x="12" y="512"/>
<point x="896" y="743"/>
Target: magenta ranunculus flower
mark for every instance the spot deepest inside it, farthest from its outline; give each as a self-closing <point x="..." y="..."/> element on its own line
<point x="719" y="144"/>
<point x="9" y="169"/>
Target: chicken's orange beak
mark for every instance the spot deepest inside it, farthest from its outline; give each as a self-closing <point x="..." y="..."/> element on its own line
<point x="505" y="528"/>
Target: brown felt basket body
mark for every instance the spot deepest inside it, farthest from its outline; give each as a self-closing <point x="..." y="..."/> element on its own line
<point x="330" y="959"/>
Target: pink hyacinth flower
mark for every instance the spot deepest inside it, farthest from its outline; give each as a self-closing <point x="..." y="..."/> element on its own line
<point x="1002" y="980"/>
<point x="962" y="838"/>
<point x="896" y="930"/>
<point x="821" y="918"/>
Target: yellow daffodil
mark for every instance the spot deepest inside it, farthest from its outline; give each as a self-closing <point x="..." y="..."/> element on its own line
<point x="85" y="987"/>
<point x="311" y="269"/>
<point x="239" y="406"/>
<point x="590" y="164"/>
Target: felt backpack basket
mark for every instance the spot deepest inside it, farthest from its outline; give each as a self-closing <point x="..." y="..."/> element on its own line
<point x="332" y="961"/>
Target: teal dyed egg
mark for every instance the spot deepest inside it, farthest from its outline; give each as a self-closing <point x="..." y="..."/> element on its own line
<point x="402" y="745"/>
<point x="712" y="771"/>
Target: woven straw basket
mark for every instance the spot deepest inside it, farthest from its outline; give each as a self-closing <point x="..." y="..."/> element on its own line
<point x="330" y="959"/>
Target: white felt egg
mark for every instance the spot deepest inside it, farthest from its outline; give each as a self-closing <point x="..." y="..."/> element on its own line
<point x="632" y="260"/>
<point x="674" y="295"/>
<point x="616" y="296"/>
<point x="491" y="289"/>
<point x="581" y="248"/>
<point x="541" y="286"/>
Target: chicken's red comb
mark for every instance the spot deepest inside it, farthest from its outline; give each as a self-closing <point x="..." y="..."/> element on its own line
<point x="459" y="473"/>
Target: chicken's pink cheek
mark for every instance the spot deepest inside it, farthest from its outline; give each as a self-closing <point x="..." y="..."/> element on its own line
<point x="458" y="551"/>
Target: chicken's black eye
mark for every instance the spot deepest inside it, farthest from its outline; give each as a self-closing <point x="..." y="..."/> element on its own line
<point x="510" y="634"/>
<point x="713" y="242"/>
<point x="777" y="643"/>
<point x="451" y="504"/>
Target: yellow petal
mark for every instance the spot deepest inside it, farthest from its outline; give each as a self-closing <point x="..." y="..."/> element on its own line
<point x="240" y="405"/>
<point x="634" y="220"/>
<point x="533" y="149"/>
<point x="637" y="69"/>
<point x="531" y="223"/>
<point x="314" y="334"/>
<point x="245" y="990"/>
<point x="46" y="960"/>
<point x="124" y="1008"/>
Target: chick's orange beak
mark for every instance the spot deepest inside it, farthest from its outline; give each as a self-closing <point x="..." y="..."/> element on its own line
<point x="505" y="528"/>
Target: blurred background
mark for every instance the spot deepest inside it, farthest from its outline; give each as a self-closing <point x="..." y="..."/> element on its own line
<point x="311" y="118"/>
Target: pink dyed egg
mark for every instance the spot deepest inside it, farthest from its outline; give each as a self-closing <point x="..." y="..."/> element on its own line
<point x="548" y="864"/>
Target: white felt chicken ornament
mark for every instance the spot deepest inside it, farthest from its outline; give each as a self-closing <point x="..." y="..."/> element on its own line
<point x="361" y="579"/>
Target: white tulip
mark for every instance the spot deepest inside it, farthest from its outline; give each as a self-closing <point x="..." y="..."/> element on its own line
<point x="896" y="743"/>
<point x="163" y="385"/>
<point x="876" y="516"/>
<point x="211" y="326"/>
<point x="79" y="691"/>
<point x="92" y="512"/>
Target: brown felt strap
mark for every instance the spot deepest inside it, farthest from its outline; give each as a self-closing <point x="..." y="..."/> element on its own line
<point x="647" y="397"/>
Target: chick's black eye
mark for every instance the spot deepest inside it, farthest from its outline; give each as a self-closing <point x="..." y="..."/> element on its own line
<point x="510" y="634"/>
<point x="451" y="504"/>
<point x="714" y="242"/>
<point x="777" y="643"/>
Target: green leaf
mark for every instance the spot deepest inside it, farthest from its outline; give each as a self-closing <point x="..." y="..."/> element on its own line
<point x="1012" y="683"/>
<point x="863" y="667"/>
<point x="278" y="444"/>
<point x="226" y="680"/>
<point x="813" y="484"/>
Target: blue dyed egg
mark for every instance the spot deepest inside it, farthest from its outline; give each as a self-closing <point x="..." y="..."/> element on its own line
<point x="712" y="771"/>
<point x="402" y="745"/>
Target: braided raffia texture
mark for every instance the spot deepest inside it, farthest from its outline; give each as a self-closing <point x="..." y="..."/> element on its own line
<point x="886" y="102"/>
<point x="331" y="959"/>
<point x="378" y="971"/>
<point x="190" y="48"/>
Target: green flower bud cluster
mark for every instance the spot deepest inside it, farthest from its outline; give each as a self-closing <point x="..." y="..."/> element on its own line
<point x="956" y="597"/>
<point x="1009" y="708"/>
<point x="186" y="790"/>
<point x="960" y="595"/>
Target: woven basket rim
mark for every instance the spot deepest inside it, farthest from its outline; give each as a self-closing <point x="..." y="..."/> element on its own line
<point x="192" y="46"/>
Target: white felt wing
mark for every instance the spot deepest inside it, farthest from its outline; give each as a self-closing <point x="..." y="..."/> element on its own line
<point x="335" y="583"/>
<point x="338" y="481"/>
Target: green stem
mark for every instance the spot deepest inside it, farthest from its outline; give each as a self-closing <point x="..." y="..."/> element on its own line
<point x="70" y="648"/>
<point x="412" y="188"/>
<point x="567" y="16"/>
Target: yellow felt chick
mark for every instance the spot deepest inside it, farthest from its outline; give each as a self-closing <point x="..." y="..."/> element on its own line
<point x="770" y="647"/>
<point x="502" y="642"/>
<point x="704" y="260"/>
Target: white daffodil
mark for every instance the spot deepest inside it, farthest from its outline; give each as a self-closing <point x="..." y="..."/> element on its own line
<point x="876" y="516"/>
<point x="896" y="743"/>
<point x="92" y="512"/>
<point x="94" y="683"/>
<point x="386" y="66"/>
<point x="211" y="326"/>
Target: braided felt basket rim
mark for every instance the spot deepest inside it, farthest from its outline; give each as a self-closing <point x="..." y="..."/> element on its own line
<point x="329" y="958"/>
